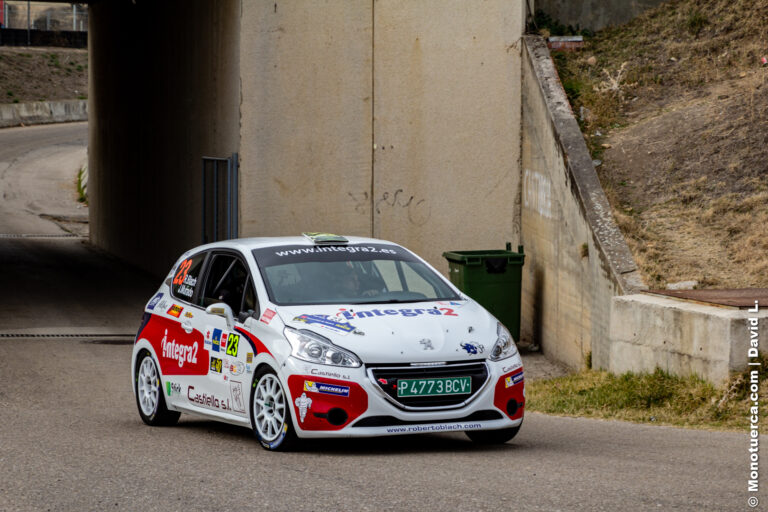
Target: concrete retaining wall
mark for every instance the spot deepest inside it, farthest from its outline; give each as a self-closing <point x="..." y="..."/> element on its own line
<point x="42" y="112"/>
<point x="578" y="259"/>
<point x="679" y="336"/>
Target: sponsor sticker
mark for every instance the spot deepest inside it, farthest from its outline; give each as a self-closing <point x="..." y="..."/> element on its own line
<point x="154" y="301"/>
<point x="405" y="312"/>
<point x="304" y="403"/>
<point x="188" y="315"/>
<point x="236" y="368"/>
<point x="216" y="364"/>
<point x="172" y="388"/>
<point x="206" y="400"/>
<point x="322" y="373"/>
<point x="236" y="388"/>
<point x="267" y="316"/>
<point x="249" y="357"/>
<point x="473" y="348"/>
<point x="175" y="310"/>
<point x="327" y="389"/>
<point x="513" y="379"/>
<point x="178" y="351"/>
<point x="510" y="368"/>
<point x="216" y="340"/>
<point x="326" y="322"/>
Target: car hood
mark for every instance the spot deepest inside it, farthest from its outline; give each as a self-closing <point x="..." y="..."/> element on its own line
<point x="400" y="333"/>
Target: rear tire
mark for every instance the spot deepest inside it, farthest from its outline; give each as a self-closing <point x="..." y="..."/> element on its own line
<point x="500" y="436"/>
<point x="149" y="394"/>
<point x="271" y="412"/>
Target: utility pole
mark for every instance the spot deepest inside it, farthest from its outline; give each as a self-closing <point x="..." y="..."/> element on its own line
<point x="74" y="17"/>
<point x="29" y="22"/>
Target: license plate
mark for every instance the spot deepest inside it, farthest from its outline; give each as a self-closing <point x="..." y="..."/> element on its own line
<point x="434" y="387"/>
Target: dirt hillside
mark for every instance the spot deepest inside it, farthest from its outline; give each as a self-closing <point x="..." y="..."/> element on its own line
<point x="675" y="106"/>
<point x="39" y="74"/>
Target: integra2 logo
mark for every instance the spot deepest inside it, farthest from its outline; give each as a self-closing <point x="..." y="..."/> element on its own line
<point x="178" y="352"/>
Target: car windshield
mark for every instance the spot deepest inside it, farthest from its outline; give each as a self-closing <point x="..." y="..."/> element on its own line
<point x="348" y="274"/>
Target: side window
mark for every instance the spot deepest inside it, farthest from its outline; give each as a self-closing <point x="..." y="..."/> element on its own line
<point x="249" y="298"/>
<point x="187" y="277"/>
<point x="228" y="282"/>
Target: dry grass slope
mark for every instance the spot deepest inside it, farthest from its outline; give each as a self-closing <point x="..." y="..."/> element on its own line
<point x="675" y="103"/>
<point x="40" y="74"/>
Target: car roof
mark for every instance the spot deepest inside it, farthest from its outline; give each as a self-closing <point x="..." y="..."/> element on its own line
<point x="248" y="244"/>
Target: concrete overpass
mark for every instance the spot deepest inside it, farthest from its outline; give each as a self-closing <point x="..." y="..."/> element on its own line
<point x="389" y="118"/>
<point x="435" y="124"/>
<point x="385" y="118"/>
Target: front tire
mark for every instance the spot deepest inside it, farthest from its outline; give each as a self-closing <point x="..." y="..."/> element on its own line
<point x="500" y="436"/>
<point x="271" y="412"/>
<point x="149" y="394"/>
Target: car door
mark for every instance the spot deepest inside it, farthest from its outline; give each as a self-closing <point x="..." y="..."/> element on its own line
<point x="227" y="281"/>
<point x="179" y="347"/>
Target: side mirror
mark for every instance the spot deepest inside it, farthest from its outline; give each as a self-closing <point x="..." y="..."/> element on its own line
<point x="221" y="309"/>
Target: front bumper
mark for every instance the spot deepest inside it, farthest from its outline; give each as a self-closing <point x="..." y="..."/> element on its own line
<point x="344" y="402"/>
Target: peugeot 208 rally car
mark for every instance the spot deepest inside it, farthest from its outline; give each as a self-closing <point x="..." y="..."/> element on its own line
<point x="323" y="336"/>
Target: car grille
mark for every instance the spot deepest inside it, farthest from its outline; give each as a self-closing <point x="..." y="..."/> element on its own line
<point x="385" y="377"/>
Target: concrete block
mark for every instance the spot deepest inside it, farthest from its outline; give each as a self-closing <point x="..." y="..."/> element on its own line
<point x="42" y="112"/>
<point x="678" y="336"/>
<point x="9" y="116"/>
<point x="68" y="110"/>
<point x="35" y="113"/>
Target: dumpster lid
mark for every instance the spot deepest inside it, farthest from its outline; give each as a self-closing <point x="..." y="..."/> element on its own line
<point x="478" y="257"/>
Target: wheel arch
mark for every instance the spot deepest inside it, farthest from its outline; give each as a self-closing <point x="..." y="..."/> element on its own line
<point x="139" y="348"/>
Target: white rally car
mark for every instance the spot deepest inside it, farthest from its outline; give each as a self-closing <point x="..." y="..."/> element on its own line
<point x="324" y="336"/>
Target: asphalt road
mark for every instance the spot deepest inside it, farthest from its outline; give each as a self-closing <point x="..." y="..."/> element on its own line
<point x="71" y="438"/>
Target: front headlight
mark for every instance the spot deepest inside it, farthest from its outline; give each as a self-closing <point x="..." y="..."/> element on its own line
<point x="311" y="347"/>
<point x="505" y="346"/>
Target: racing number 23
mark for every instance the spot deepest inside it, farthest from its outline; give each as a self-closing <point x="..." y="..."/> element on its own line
<point x="182" y="273"/>
<point x="232" y="342"/>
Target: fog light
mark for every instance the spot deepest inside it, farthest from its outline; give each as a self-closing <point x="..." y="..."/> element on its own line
<point x="511" y="407"/>
<point x="337" y="416"/>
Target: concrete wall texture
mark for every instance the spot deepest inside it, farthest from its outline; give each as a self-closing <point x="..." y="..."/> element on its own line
<point x="393" y="119"/>
<point x="578" y="258"/>
<point x="594" y="14"/>
<point x="446" y="172"/>
<point x="158" y="105"/>
<point x="306" y="135"/>
<point x="681" y="337"/>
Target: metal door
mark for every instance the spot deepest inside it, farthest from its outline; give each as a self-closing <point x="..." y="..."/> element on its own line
<point x="220" y="192"/>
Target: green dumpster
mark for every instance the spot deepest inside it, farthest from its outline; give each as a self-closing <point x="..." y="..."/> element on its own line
<point x="492" y="278"/>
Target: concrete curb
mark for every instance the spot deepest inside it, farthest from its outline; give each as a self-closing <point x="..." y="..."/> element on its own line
<point x="43" y="112"/>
